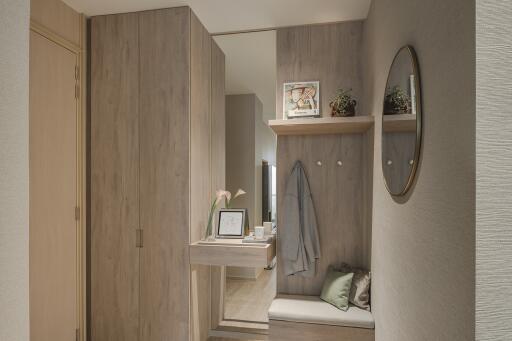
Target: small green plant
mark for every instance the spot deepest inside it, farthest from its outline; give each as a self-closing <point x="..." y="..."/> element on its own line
<point x="396" y="101"/>
<point x="343" y="104"/>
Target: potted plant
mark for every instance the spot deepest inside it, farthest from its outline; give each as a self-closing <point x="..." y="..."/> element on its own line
<point x="219" y="195"/>
<point x="343" y="105"/>
<point x="396" y="101"/>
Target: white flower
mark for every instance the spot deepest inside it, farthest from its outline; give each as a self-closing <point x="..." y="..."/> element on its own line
<point x="239" y="193"/>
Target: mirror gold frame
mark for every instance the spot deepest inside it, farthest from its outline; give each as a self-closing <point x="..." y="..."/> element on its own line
<point x="419" y="117"/>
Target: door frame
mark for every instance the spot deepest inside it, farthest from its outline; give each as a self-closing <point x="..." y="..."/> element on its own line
<point x="80" y="55"/>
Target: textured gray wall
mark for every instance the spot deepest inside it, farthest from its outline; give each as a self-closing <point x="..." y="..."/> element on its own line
<point x="494" y="170"/>
<point x="14" y="35"/>
<point x="423" y="252"/>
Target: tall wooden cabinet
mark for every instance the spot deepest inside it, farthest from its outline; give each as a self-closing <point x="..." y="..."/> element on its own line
<point x="150" y="175"/>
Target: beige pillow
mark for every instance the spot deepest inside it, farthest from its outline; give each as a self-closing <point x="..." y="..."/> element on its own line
<point x="360" y="289"/>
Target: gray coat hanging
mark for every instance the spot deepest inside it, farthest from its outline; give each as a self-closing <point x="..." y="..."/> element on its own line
<point x="298" y="230"/>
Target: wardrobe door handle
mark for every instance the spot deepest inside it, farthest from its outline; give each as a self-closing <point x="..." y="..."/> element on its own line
<point x="139" y="238"/>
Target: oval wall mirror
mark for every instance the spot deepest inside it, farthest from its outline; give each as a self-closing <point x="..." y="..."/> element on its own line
<point x="401" y="122"/>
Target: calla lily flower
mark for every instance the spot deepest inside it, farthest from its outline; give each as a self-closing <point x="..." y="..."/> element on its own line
<point x="239" y="193"/>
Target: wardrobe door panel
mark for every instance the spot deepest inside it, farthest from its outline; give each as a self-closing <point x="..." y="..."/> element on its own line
<point x="114" y="257"/>
<point x="200" y="172"/>
<point x="53" y="191"/>
<point x="164" y="128"/>
<point x="218" y="160"/>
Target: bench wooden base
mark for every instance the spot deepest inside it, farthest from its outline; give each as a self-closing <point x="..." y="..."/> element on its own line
<point x="294" y="331"/>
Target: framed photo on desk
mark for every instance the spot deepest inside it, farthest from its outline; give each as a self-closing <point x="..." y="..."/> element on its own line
<point x="233" y="222"/>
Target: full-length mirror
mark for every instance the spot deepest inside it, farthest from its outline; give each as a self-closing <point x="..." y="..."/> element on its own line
<point x="401" y="122"/>
<point x="250" y="164"/>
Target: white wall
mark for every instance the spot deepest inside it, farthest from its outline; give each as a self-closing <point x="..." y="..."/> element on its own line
<point x="14" y="40"/>
<point x="423" y="252"/>
<point x="493" y="170"/>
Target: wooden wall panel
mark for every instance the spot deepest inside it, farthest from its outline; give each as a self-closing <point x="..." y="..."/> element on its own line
<point x="218" y="170"/>
<point x="164" y="173"/>
<point x="200" y="188"/>
<point x="57" y="17"/>
<point x="329" y="53"/>
<point x="114" y="178"/>
<point x="337" y="196"/>
<point x="218" y="120"/>
<point x="53" y="191"/>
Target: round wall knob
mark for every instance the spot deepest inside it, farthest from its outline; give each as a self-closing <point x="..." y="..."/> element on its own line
<point x="339" y="163"/>
<point x="389" y="162"/>
<point x="319" y="163"/>
<point x="411" y="162"/>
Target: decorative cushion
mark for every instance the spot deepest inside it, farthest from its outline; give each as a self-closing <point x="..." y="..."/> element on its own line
<point x="360" y="290"/>
<point x="311" y="309"/>
<point x="336" y="289"/>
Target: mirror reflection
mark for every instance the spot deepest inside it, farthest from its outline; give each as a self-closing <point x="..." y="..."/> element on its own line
<point x="401" y="123"/>
<point x="251" y="162"/>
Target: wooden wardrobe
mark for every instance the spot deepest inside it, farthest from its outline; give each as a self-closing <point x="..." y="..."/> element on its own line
<point x="151" y="174"/>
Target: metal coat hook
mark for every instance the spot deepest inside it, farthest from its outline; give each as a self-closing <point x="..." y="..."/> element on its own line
<point x="319" y="163"/>
<point x="339" y="163"/>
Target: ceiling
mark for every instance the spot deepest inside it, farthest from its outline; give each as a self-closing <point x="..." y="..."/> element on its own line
<point x="236" y="15"/>
<point x="251" y="66"/>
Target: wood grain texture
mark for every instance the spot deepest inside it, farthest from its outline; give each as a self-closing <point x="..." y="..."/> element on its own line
<point x="114" y="178"/>
<point x="493" y="170"/>
<point x="218" y="169"/>
<point x="200" y="167"/>
<point x="58" y="17"/>
<point x="399" y="123"/>
<point x="164" y="38"/>
<point x="292" y="331"/>
<point x="249" y="299"/>
<point x="327" y="53"/>
<point x="218" y="289"/>
<point x="322" y="126"/>
<point x="337" y="196"/>
<point x="367" y="209"/>
<point x="232" y="252"/>
<point x="423" y="250"/>
<point x="53" y="174"/>
<point x="218" y="119"/>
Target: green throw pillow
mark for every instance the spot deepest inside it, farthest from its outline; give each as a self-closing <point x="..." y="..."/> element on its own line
<point x="336" y="289"/>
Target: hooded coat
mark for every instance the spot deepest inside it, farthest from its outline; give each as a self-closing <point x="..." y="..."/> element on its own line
<point x="300" y="244"/>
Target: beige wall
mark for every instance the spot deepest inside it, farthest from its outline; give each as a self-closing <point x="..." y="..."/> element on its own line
<point x="265" y="145"/>
<point x="240" y="152"/>
<point x="423" y="254"/>
<point x="14" y="312"/>
<point x="248" y="141"/>
<point x="493" y="167"/>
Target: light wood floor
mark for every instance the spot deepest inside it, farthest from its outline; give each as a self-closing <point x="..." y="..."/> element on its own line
<point x="249" y="300"/>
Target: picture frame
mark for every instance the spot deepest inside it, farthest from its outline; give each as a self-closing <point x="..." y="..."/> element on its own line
<point x="301" y="99"/>
<point x="232" y="223"/>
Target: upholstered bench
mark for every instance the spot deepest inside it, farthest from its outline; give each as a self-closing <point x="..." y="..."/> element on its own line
<point x="308" y="318"/>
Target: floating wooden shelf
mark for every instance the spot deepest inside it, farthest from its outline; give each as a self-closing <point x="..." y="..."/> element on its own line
<point x="399" y="123"/>
<point x="232" y="252"/>
<point x="324" y="125"/>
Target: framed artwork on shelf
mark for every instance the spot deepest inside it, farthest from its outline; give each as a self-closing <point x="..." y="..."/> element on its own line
<point x="301" y="99"/>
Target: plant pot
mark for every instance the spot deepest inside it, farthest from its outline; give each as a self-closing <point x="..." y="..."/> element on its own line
<point x="346" y="112"/>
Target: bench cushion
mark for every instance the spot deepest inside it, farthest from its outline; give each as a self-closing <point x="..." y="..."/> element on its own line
<point x="311" y="309"/>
